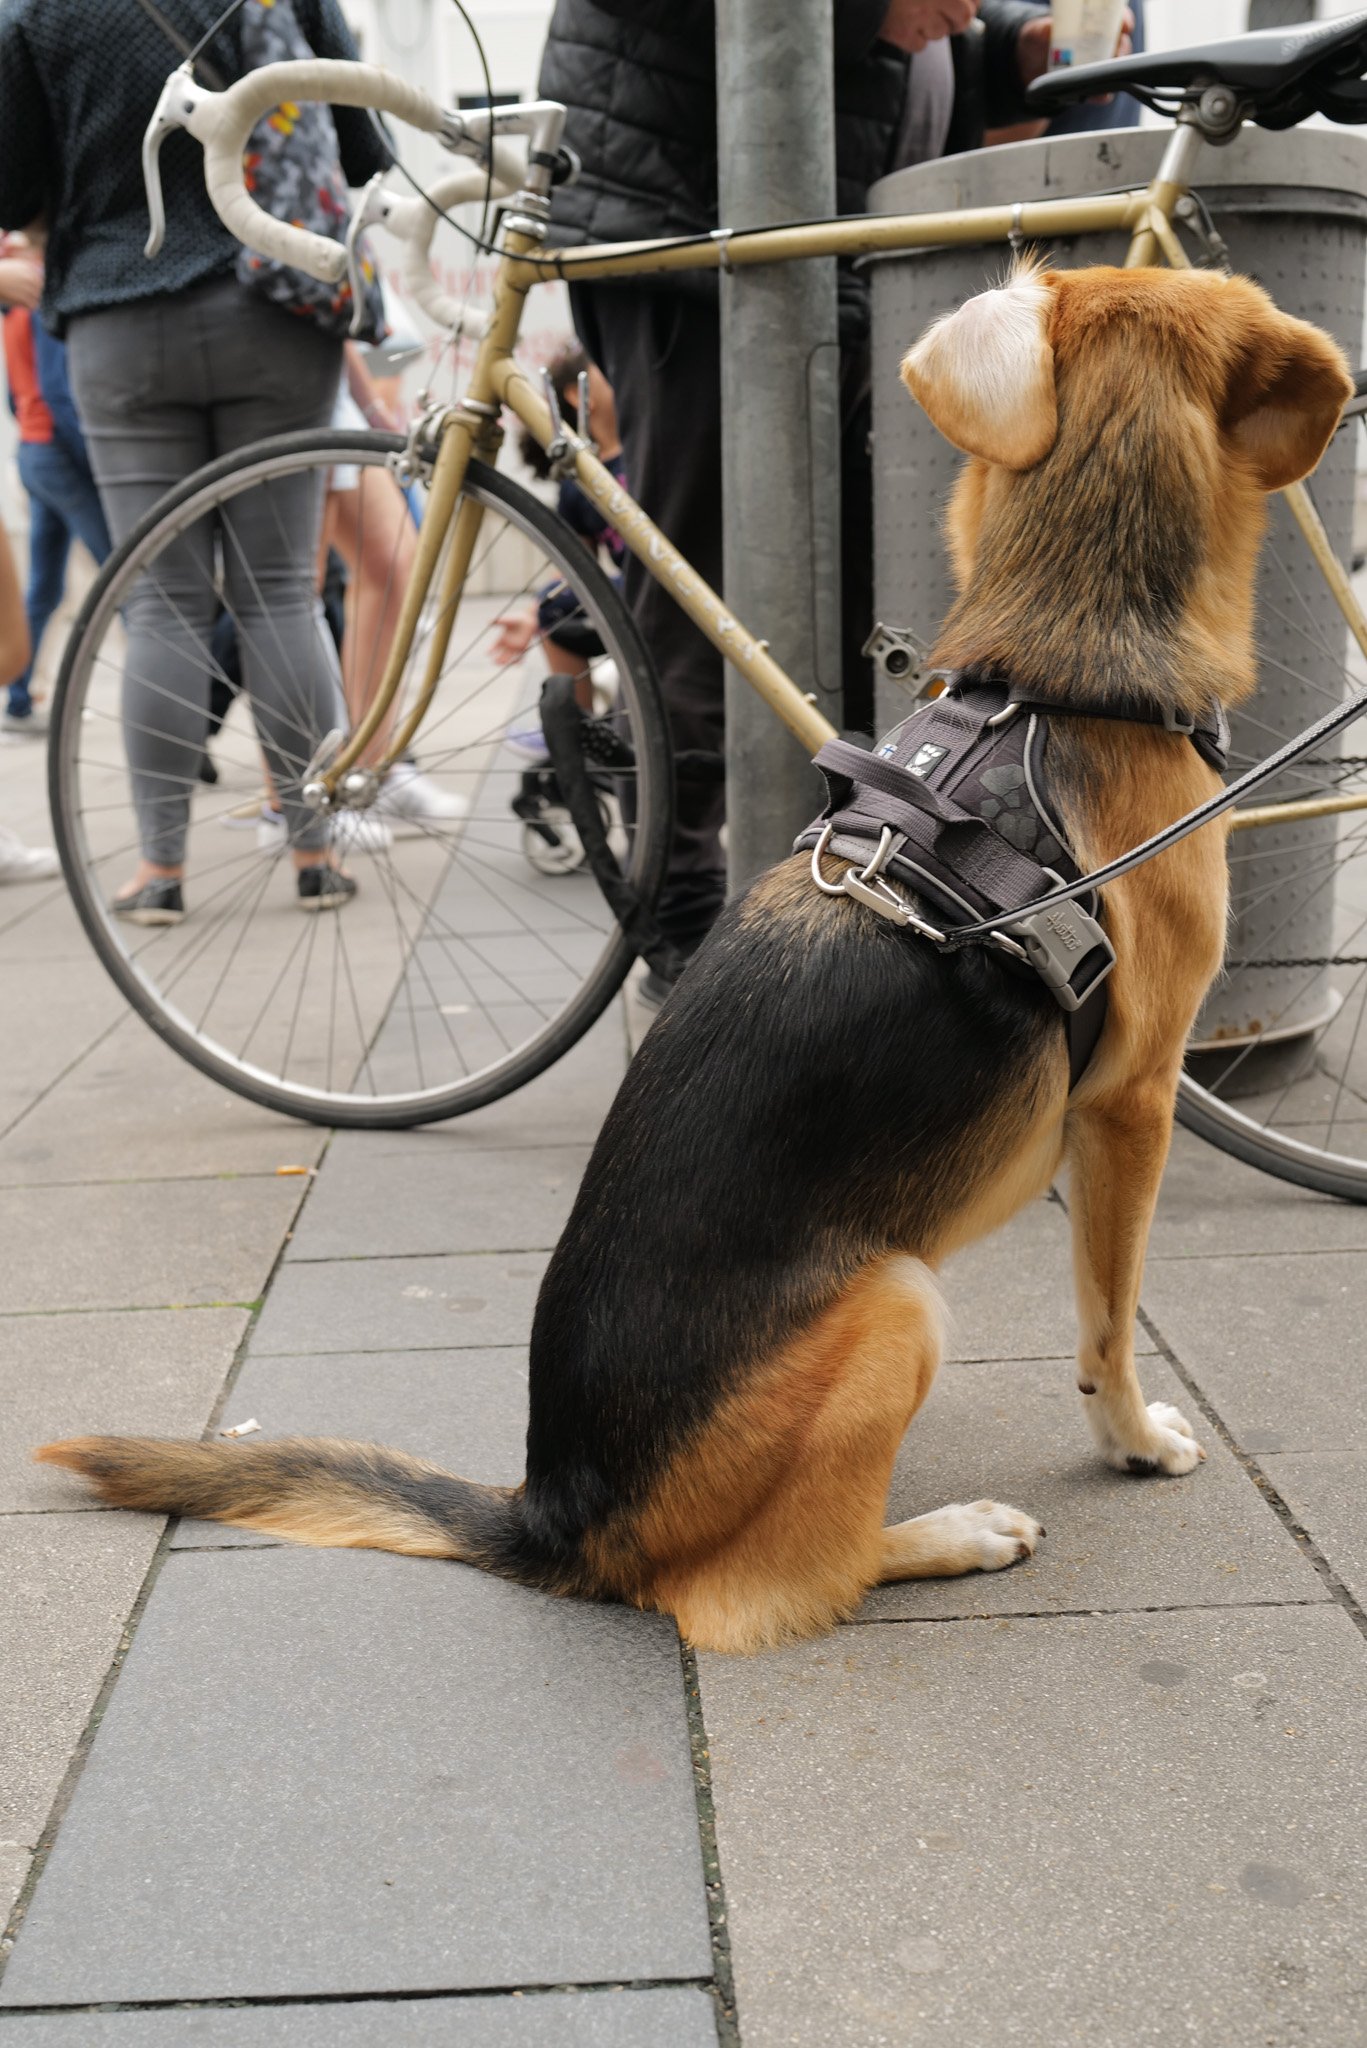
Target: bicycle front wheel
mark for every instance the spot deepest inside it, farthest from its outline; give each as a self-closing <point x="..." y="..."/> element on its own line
<point x="476" y="946"/>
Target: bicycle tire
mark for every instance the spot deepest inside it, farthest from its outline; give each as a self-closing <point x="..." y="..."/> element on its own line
<point x="1285" y="1158"/>
<point x="1279" y="1046"/>
<point x="647" y="836"/>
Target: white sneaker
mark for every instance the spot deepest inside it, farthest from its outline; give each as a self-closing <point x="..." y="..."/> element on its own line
<point x="352" y="831"/>
<point x="20" y="863"/>
<point x="409" y="799"/>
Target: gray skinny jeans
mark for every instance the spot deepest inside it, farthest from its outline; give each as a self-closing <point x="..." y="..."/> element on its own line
<point x="163" y="386"/>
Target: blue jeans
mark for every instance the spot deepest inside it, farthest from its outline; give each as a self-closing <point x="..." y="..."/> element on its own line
<point x="63" y="505"/>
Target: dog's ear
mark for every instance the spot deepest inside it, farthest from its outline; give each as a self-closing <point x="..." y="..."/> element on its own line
<point x="1288" y="386"/>
<point x="985" y="374"/>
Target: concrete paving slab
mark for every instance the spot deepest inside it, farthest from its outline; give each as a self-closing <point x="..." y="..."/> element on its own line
<point x="1327" y="1493"/>
<point x="34" y="1059"/>
<point x="152" y="1372"/>
<point x="37" y="922"/>
<point x="467" y="1410"/>
<point x="67" y="1583"/>
<point x="1275" y="1344"/>
<point x="148" y="1244"/>
<point x="349" y="1773"/>
<point x="676" y="2017"/>
<point x="400" y="1304"/>
<point x="1212" y="1204"/>
<point x="563" y="1106"/>
<point x="1130" y="1830"/>
<point x="132" y="1109"/>
<point x="1011" y="1296"/>
<point x="461" y="1201"/>
<point x="1016" y="1433"/>
<point x="14" y="1868"/>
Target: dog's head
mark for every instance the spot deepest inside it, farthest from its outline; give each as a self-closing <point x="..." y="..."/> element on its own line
<point x="1125" y="427"/>
<point x="991" y="376"/>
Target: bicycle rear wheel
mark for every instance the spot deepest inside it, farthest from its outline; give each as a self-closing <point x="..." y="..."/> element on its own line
<point x="1277" y="1072"/>
<point x="462" y="967"/>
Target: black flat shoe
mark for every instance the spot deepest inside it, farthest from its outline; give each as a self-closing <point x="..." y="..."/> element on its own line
<point x="324" y="888"/>
<point x="157" y="902"/>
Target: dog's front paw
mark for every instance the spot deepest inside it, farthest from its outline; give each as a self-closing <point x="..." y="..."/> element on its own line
<point x="1168" y="1445"/>
<point x="992" y="1535"/>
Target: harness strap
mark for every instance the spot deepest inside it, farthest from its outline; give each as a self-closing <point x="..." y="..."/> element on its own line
<point x="1207" y="730"/>
<point x="979" y="855"/>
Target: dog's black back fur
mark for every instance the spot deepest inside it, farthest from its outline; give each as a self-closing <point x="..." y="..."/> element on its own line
<point x="671" y="1278"/>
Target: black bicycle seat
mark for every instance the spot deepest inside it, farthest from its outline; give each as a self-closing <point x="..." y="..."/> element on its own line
<point x="1278" y="75"/>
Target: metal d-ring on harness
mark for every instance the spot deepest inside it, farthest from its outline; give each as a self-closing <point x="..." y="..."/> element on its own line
<point x="953" y="806"/>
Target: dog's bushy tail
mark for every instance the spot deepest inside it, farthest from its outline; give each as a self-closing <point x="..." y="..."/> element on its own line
<point x="310" y="1490"/>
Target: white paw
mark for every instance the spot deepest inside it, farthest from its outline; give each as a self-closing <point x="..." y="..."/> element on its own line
<point x="1170" y="1445"/>
<point x="990" y="1535"/>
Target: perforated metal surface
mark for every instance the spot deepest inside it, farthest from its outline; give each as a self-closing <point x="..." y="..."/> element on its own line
<point x="1293" y="210"/>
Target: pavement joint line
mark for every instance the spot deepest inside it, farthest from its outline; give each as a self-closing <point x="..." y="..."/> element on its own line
<point x="70" y="1068"/>
<point x="723" y="1986"/>
<point x="367" y="1997"/>
<point x="1299" y="1534"/>
<point x="142" y="1180"/>
<point x="1076" y="1613"/>
<point x="424" y="1995"/>
<point x="134" y="1308"/>
<point x="76" y="1764"/>
<point x="486" y="1251"/>
<point x="1325" y="1251"/>
<point x="85" y="1742"/>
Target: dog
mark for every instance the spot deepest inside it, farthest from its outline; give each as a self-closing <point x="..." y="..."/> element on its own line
<point x="742" y="1315"/>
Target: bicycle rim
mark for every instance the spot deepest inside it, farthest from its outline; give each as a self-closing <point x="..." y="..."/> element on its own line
<point x="1277" y="1071"/>
<point x="464" y="964"/>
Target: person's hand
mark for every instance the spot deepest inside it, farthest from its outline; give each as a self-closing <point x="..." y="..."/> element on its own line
<point x="21" y="282"/>
<point x="514" y="636"/>
<point x="911" y="24"/>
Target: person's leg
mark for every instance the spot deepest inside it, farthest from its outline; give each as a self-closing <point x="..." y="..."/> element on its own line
<point x="48" y="544"/>
<point x="134" y="385"/>
<point x="661" y="352"/>
<point x="77" y="497"/>
<point x="270" y="373"/>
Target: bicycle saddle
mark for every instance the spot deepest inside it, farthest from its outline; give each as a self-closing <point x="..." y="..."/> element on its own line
<point x="1278" y="75"/>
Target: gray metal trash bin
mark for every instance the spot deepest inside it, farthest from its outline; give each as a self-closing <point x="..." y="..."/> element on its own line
<point x="1293" y="210"/>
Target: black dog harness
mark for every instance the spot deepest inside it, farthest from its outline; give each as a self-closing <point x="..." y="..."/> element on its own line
<point x="954" y="805"/>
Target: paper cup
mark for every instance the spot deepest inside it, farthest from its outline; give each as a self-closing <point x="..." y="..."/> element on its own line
<point x="1085" y="31"/>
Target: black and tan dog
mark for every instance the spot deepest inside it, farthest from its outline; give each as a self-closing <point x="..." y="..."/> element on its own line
<point x="741" y="1317"/>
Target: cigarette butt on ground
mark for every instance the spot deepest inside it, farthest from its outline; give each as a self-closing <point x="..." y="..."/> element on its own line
<point x="242" y="1428"/>
<point x="295" y="1169"/>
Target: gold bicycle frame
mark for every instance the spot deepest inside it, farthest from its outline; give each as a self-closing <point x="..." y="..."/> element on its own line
<point x="471" y="429"/>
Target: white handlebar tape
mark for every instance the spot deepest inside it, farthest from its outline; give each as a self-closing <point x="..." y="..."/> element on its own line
<point x="223" y="121"/>
<point x="412" y="221"/>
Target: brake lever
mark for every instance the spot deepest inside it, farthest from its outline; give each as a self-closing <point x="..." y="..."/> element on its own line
<point x="181" y="96"/>
<point x="361" y="219"/>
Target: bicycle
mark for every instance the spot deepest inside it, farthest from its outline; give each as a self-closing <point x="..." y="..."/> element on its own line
<point x="468" y="968"/>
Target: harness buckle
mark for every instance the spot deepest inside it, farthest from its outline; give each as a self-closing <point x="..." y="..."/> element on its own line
<point x="1183" y="723"/>
<point x="1068" y="950"/>
<point x="867" y="885"/>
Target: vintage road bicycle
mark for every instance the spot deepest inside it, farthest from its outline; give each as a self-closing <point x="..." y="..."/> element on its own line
<point x="481" y="945"/>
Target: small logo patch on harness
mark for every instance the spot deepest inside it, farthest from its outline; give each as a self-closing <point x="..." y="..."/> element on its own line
<point x="924" y="759"/>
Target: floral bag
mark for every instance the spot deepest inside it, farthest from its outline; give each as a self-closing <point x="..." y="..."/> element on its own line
<point x="293" y="170"/>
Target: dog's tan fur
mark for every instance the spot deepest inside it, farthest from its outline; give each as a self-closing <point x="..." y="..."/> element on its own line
<point x="1123" y="429"/>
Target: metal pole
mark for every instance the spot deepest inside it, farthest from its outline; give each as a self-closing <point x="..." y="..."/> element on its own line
<point x="780" y="407"/>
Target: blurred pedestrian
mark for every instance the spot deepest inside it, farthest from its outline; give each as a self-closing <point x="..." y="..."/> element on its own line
<point x="18" y="863"/>
<point x="64" y="504"/>
<point x="176" y="361"/>
<point x="639" y="80"/>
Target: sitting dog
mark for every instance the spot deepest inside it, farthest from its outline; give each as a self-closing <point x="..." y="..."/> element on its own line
<point x="741" y="1317"/>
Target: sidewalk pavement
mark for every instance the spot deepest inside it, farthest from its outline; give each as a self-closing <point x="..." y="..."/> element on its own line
<point x="258" y="1795"/>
